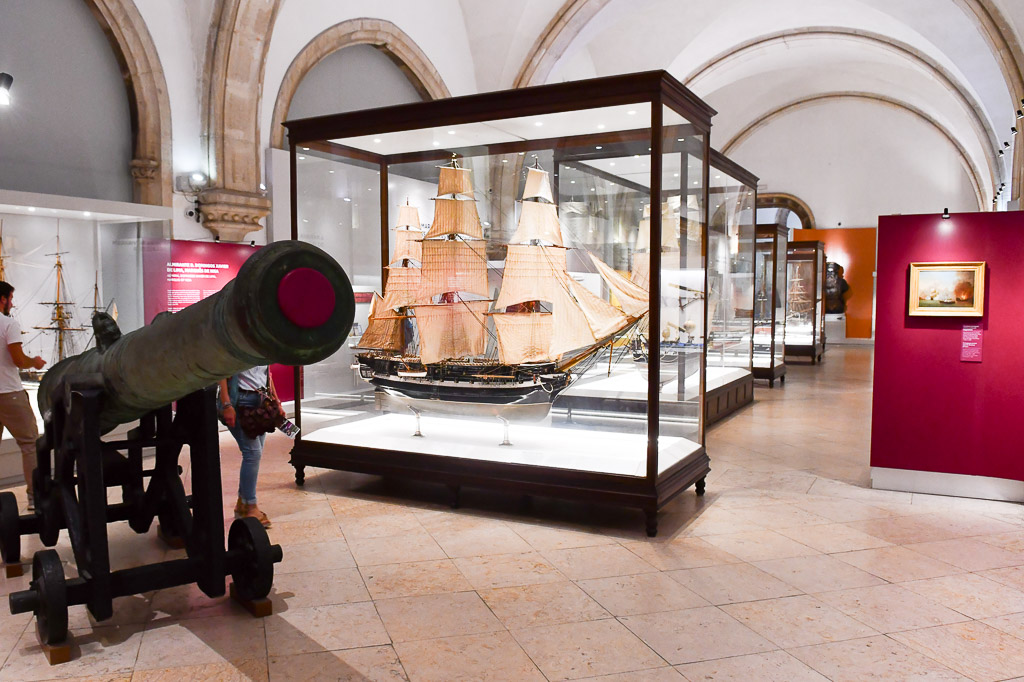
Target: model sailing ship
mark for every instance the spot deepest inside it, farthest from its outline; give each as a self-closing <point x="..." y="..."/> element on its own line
<point x="435" y="342"/>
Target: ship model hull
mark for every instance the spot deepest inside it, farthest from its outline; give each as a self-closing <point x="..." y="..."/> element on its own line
<point x="473" y="389"/>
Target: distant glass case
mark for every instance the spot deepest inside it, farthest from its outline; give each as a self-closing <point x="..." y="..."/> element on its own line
<point x="531" y="289"/>
<point x="805" y="318"/>
<point x="732" y="197"/>
<point x="770" y="302"/>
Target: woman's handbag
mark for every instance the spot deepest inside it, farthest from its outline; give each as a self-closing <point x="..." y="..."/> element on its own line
<point x="263" y="418"/>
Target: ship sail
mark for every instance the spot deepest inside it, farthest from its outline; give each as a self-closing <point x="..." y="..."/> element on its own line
<point x="631" y="296"/>
<point x="408" y="217"/>
<point x="403" y="288"/>
<point x="407" y="245"/>
<point x="537" y="185"/>
<point x="523" y="337"/>
<point x="455" y="216"/>
<point x="531" y="274"/>
<point x="538" y="221"/>
<point x="451" y="331"/>
<point x="383" y="330"/>
<point x="454" y="181"/>
<point x="453" y="265"/>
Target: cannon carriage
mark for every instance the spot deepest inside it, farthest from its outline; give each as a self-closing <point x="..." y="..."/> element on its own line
<point x="291" y="303"/>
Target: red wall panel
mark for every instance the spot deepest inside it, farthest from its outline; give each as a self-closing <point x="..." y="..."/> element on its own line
<point x="930" y="411"/>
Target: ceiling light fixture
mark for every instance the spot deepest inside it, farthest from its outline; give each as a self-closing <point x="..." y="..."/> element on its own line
<point x="1006" y="145"/>
<point x="6" y="80"/>
<point x="945" y="214"/>
<point x="1013" y="130"/>
<point x="1020" y="114"/>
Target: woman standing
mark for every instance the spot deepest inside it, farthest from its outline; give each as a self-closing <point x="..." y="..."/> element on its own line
<point x="246" y="389"/>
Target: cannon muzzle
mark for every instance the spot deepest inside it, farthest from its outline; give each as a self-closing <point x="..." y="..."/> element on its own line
<point x="291" y="303"/>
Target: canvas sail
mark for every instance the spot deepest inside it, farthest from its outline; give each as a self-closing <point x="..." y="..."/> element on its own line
<point x="455" y="216"/>
<point x="524" y="337"/>
<point x="407" y="245"/>
<point x="669" y="233"/>
<point x="451" y="331"/>
<point x="538" y="221"/>
<point x="537" y="185"/>
<point x="454" y="181"/>
<point x="531" y="274"/>
<point x="453" y="265"/>
<point x="632" y="298"/>
<point x="403" y="288"/>
<point x="603" y="318"/>
<point x="383" y="330"/>
<point x="641" y="273"/>
<point x="571" y="328"/>
<point x="408" y="216"/>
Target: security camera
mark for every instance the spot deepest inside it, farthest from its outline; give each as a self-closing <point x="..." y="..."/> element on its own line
<point x="191" y="213"/>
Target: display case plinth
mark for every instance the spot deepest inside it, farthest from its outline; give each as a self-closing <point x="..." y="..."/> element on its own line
<point x="773" y="373"/>
<point x="813" y="351"/>
<point x="721" y="401"/>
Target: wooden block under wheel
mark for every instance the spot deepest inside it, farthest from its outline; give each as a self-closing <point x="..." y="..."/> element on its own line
<point x="259" y="608"/>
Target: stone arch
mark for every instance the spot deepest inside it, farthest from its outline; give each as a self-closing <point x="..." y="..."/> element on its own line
<point x="150" y="109"/>
<point x="972" y="171"/>
<point x="555" y="40"/>
<point x="381" y="34"/>
<point x="790" y="202"/>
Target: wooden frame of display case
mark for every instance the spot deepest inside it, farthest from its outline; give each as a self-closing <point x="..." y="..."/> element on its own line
<point x="649" y="492"/>
<point x="721" y="401"/>
<point x="814" y="251"/>
<point x="777" y="234"/>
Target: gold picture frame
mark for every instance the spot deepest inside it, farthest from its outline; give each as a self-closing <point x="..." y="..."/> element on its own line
<point x="954" y="289"/>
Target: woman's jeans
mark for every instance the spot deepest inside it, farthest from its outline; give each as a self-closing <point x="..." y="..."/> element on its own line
<point x="252" y="450"/>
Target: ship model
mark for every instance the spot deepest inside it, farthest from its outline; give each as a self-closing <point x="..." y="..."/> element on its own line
<point x="436" y="342"/>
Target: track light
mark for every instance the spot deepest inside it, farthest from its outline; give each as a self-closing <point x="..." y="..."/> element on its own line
<point x="1000" y="152"/>
<point x="1013" y="130"/>
<point x="1020" y="114"/>
<point x="1006" y="145"/>
<point x="945" y="214"/>
<point x="6" y="80"/>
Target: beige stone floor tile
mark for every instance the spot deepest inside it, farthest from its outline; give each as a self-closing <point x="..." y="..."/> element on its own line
<point x="833" y="537"/>
<point x="696" y="635"/>
<point x="778" y="516"/>
<point x="385" y="581"/>
<point x="680" y="553"/>
<point x="324" y="628"/>
<point x="544" y="538"/>
<point x="1011" y="577"/>
<point x="314" y="557"/>
<point x="890" y="608"/>
<point x="480" y="541"/>
<point x="188" y="601"/>
<point x="969" y="554"/>
<point x="545" y="604"/>
<point x="579" y="650"/>
<point x="642" y="593"/>
<point x="819" y="573"/>
<point x="760" y="545"/>
<point x="772" y="666"/>
<point x="436" y="615"/>
<point x="897" y="564"/>
<point x="346" y="507"/>
<point x="1011" y="542"/>
<point x="287" y="533"/>
<point x="131" y="610"/>
<point x="96" y="652"/>
<point x="369" y="664"/>
<point x="665" y="674"/>
<point x="251" y="670"/>
<point x="582" y="563"/>
<point x="797" y="621"/>
<point x="492" y="656"/>
<point x="720" y="522"/>
<point x="973" y="648"/>
<point x="379" y="526"/>
<point x="223" y="639"/>
<point x="972" y="595"/>
<point x="291" y="506"/>
<point x="971" y="524"/>
<point x="417" y="546"/>
<point x="318" y="588"/>
<point x="1011" y="625"/>
<point x="508" y="570"/>
<point x="842" y="510"/>
<point x="873" y="658"/>
<point x="732" y="583"/>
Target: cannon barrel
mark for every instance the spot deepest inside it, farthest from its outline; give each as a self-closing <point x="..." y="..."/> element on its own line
<point x="291" y="303"/>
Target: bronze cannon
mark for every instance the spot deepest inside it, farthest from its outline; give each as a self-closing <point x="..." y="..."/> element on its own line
<point x="291" y="303"/>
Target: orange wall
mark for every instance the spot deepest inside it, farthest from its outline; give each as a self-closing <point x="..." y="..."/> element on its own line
<point x="854" y="249"/>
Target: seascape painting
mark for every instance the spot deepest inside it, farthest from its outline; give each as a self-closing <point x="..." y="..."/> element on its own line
<point x="947" y="289"/>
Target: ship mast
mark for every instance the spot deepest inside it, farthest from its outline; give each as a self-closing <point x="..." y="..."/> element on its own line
<point x="61" y="316"/>
<point x="3" y="273"/>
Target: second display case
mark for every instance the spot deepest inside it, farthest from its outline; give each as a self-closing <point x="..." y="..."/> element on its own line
<point x="770" y="303"/>
<point x="805" y="317"/>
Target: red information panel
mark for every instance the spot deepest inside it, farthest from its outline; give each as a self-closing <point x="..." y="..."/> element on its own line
<point x="176" y="274"/>
<point x="970" y="343"/>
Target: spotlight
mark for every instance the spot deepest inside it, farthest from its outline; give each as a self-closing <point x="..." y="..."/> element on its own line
<point x="252" y="242"/>
<point x="216" y="238"/>
<point x="1020" y="114"/>
<point x="1006" y="145"/>
<point x="1013" y="130"/>
<point x="945" y="214"/>
<point x="6" y="80"/>
<point x="1000" y="152"/>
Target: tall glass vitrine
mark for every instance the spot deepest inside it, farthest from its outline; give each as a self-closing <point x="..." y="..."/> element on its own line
<point x="805" y="317"/>
<point x="770" y="302"/>
<point x="531" y="271"/>
<point x="730" y="300"/>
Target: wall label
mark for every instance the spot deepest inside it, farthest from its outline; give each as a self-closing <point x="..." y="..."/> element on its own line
<point x="970" y="343"/>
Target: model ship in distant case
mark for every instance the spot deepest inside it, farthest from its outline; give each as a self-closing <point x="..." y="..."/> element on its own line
<point x="436" y="342"/>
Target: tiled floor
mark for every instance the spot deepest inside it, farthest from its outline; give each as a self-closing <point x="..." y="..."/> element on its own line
<point x="790" y="568"/>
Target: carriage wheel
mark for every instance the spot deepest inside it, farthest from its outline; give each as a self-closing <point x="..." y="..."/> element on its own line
<point x="48" y="510"/>
<point x="253" y="567"/>
<point x="52" y="604"/>
<point x="10" y="538"/>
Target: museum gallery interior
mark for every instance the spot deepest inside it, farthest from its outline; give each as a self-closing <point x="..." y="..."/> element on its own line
<point x="588" y="339"/>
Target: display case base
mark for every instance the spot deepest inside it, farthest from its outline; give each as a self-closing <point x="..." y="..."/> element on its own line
<point x="723" y="400"/>
<point x="815" y="352"/>
<point x="456" y="473"/>
<point x="778" y="372"/>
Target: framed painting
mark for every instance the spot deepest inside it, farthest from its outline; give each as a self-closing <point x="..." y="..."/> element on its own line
<point x="947" y="289"/>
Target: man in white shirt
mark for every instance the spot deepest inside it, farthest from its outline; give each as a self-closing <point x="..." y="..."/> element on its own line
<point x="15" y="409"/>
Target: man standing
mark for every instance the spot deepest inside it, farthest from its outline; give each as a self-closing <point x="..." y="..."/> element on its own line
<point x="15" y="409"/>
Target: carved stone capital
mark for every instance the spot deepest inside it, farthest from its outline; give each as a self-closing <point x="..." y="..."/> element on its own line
<point x="232" y="214"/>
<point x="145" y="169"/>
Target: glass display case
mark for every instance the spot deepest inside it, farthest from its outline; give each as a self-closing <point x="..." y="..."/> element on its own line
<point x="525" y="321"/>
<point x="732" y="195"/>
<point x="770" y="302"/>
<point x="805" y="300"/>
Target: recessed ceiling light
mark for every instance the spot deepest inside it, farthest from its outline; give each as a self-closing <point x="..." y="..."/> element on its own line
<point x="593" y="189"/>
<point x="598" y="147"/>
<point x="437" y="144"/>
<point x="86" y="213"/>
<point x="302" y="158"/>
<point x="451" y="132"/>
<point x="718" y="177"/>
<point x="675" y="175"/>
<point x="330" y="171"/>
<point x="600" y="126"/>
<point x="347" y="199"/>
<point x="696" y="182"/>
<point x="612" y="163"/>
<point x="631" y="112"/>
<point x="304" y="220"/>
<point x="305" y="149"/>
<point x="572" y="182"/>
<point x="538" y="123"/>
<point x="504" y="160"/>
<point x="376" y="140"/>
<point x="32" y="209"/>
